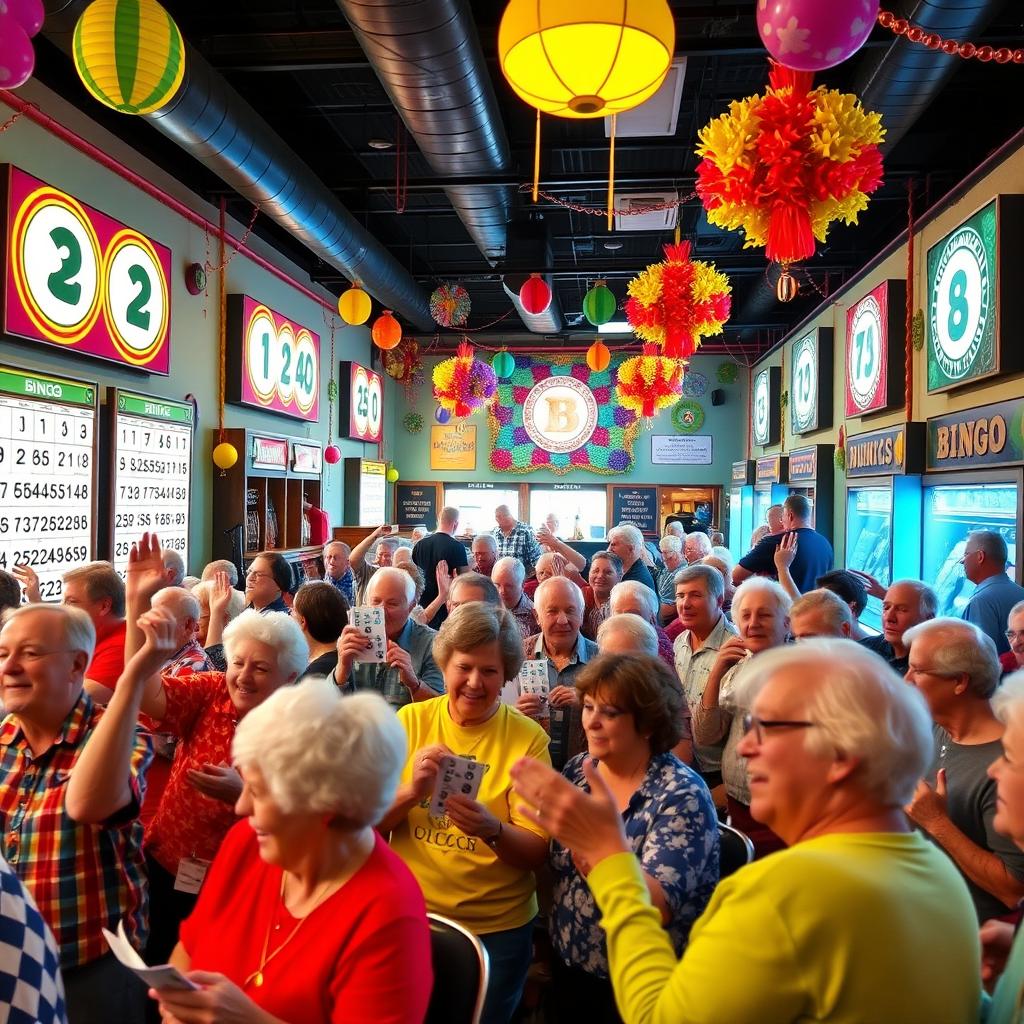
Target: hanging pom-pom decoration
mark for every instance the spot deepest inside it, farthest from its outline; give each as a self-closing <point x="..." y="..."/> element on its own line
<point x="649" y="382"/>
<point x="450" y="305"/>
<point x="463" y="383"/>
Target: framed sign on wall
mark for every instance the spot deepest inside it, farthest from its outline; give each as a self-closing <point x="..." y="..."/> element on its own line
<point x="765" y="425"/>
<point x="453" y="447"/>
<point x="875" y="349"/>
<point x="974" y="303"/>
<point x="273" y="363"/>
<point x="76" y="278"/>
<point x="810" y="382"/>
<point x="360" y="403"/>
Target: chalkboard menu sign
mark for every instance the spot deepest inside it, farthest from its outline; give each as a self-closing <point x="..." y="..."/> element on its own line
<point x="151" y="479"/>
<point x="47" y="474"/>
<point x="415" y="505"/>
<point x="636" y="505"/>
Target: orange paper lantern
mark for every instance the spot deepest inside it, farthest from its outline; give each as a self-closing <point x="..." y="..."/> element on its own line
<point x="598" y="356"/>
<point x="386" y="332"/>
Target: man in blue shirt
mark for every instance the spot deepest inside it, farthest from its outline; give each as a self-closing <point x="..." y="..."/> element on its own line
<point x="267" y="580"/>
<point x="813" y="554"/>
<point x="984" y="560"/>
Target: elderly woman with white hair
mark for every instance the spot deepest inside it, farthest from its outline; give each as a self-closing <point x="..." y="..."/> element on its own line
<point x="475" y="862"/>
<point x="202" y="709"/>
<point x="632" y="598"/>
<point x="859" y="919"/>
<point x="627" y="543"/>
<point x="761" y="614"/>
<point x="671" y="548"/>
<point x="219" y="603"/>
<point x="306" y="914"/>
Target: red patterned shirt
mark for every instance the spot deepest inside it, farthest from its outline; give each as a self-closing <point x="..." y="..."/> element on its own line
<point x="190" y="658"/>
<point x="82" y="877"/>
<point x="188" y="824"/>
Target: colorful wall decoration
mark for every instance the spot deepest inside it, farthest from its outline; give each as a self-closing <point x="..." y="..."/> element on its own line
<point x="572" y="426"/>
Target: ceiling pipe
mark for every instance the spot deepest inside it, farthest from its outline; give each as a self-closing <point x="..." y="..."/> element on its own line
<point x="216" y="126"/>
<point x="427" y="56"/>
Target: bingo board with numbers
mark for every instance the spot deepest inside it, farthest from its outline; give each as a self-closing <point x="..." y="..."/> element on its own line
<point x="151" y="471"/>
<point x="273" y="362"/>
<point x="47" y="474"/>
<point x="76" y="278"/>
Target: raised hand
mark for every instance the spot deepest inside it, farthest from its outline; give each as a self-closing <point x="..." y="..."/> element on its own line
<point x="27" y="577"/>
<point x="145" y="574"/>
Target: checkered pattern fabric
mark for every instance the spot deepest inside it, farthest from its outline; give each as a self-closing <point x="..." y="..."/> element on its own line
<point x="520" y="543"/>
<point x="31" y="990"/>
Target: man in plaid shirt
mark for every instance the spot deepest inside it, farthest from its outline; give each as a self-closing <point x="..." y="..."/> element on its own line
<point x="69" y="805"/>
<point x="515" y="539"/>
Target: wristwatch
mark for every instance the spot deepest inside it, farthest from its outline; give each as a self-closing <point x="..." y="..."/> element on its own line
<point x="492" y="841"/>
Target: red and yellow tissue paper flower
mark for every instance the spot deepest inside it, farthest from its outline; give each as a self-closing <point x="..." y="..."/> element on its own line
<point x="649" y="382"/>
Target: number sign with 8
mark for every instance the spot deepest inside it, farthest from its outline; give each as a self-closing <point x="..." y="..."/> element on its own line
<point x="280" y="368"/>
<point x="69" y="264"/>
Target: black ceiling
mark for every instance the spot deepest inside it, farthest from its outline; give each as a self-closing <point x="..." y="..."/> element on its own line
<point x="301" y="68"/>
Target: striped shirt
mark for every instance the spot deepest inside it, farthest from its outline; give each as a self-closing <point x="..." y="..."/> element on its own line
<point x="82" y="877"/>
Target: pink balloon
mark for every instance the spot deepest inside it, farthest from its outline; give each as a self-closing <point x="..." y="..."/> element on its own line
<point x="811" y="35"/>
<point x="28" y="13"/>
<point x="17" y="58"/>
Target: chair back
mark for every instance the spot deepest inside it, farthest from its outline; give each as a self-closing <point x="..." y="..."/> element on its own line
<point x="461" y="973"/>
<point x="735" y="849"/>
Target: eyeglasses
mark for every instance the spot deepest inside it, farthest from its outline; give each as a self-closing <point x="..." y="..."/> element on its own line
<point x="1012" y="634"/>
<point x="759" y="725"/>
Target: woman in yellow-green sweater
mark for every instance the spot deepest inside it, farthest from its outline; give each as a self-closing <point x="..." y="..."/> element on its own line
<point x="859" y="920"/>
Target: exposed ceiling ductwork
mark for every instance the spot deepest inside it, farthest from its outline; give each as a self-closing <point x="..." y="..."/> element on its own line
<point x="216" y="126"/>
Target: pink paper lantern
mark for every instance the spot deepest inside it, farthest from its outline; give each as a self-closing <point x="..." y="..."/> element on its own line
<point x="332" y="454"/>
<point x="811" y="35"/>
<point x="17" y="57"/>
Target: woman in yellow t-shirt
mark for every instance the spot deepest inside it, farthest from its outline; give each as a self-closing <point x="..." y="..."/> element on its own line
<point x="475" y="862"/>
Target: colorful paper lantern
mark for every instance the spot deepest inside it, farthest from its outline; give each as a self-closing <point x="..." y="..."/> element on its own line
<point x="442" y="415"/>
<point x="332" y="454"/>
<point x="810" y="35"/>
<point x="450" y="305"/>
<point x="535" y="295"/>
<point x="599" y="304"/>
<point x="586" y="60"/>
<point x="392" y="475"/>
<point x="598" y="357"/>
<point x="386" y="331"/>
<point x="503" y="364"/>
<point x="225" y="456"/>
<point x="129" y="54"/>
<point x="354" y="306"/>
<point x="463" y="383"/>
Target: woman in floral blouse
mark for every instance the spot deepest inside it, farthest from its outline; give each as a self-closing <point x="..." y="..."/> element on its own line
<point x="632" y="717"/>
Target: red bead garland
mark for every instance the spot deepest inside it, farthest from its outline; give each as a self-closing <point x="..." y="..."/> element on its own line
<point x="916" y="34"/>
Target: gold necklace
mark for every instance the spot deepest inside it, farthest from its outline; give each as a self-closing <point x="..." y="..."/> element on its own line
<point x="257" y="976"/>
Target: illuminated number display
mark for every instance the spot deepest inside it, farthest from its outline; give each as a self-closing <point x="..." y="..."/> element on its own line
<point x="47" y="474"/>
<point x="765" y="423"/>
<point x="77" y="278"/>
<point x="151" y="478"/>
<point x="362" y="409"/>
<point x="810" y="382"/>
<point x="274" y="362"/>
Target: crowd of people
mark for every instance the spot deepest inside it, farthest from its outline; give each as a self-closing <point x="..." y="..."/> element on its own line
<point x="208" y="768"/>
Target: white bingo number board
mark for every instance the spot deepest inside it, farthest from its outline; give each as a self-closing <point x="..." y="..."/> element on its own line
<point x="47" y="474"/>
<point x="152" y="472"/>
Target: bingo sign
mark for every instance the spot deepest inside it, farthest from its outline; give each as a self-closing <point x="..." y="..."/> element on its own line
<point x="961" y="303"/>
<point x="560" y="414"/>
<point x="77" y="278"/>
<point x="275" y="363"/>
<point x="810" y="383"/>
<point x="874" y="358"/>
<point x="765" y="421"/>
<point x="362" y="410"/>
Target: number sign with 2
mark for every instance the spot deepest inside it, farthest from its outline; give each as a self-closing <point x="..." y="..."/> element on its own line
<point x="274" y="363"/>
<point x="80" y="279"/>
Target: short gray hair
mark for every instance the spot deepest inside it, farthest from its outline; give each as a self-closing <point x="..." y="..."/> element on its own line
<point x="927" y="602"/>
<point x="221" y="565"/>
<point x="179" y="602"/>
<point x="629" y="533"/>
<point x="489" y="539"/>
<point x="759" y="584"/>
<point x="336" y="544"/>
<point x="834" y="609"/>
<point x="714" y="582"/>
<point x="701" y="540"/>
<point x="321" y="753"/>
<point x="173" y="563"/>
<point x="675" y="528"/>
<point x="509" y="562"/>
<point x="390" y="572"/>
<point x="481" y="582"/>
<point x="960" y="648"/>
<point x="860" y="707"/>
<point x="670" y="542"/>
<point x="557" y="581"/>
<point x="640" y="591"/>
<point x="992" y="544"/>
<point x="640" y="632"/>
<point x="1015" y="610"/>
<point x="277" y="630"/>
<point x="79" y="631"/>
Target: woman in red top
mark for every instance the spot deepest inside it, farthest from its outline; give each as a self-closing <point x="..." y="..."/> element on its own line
<point x="307" y="917"/>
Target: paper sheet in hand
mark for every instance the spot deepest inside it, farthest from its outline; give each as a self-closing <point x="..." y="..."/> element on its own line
<point x="455" y="775"/>
<point x="533" y="678"/>
<point x="371" y="622"/>
<point x="162" y="976"/>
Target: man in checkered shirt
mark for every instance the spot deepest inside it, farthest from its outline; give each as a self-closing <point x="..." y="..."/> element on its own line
<point x="69" y="806"/>
<point x="515" y="539"/>
<point x="31" y="989"/>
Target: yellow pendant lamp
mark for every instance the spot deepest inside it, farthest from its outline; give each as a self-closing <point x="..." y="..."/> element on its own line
<point x="585" y="60"/>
